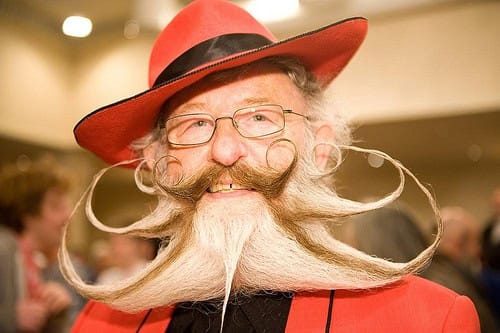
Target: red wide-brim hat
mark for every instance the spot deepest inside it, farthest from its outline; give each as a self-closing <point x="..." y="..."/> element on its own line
<point x="204" y="37"/>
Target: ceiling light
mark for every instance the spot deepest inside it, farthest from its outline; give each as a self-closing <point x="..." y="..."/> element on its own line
<point x="474" y="152"/>
<point x="268" y="11"/>
<point x="23" y="162"/>
<point x="77" y="26"/>
<point x="375" y="161"/>
<point x="132" y="29"/>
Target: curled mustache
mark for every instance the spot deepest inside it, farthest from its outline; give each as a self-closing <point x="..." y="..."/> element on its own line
<point x="266" y="180"/>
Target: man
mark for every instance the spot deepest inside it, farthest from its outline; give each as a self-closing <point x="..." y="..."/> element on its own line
<point x="389" y="232"/>
<point x="236" y="136"/>
<point x="491" y="234"/>
<point x="491" y="252"/>
<point x="34" y="206"/>
<point x="456" y="264"/>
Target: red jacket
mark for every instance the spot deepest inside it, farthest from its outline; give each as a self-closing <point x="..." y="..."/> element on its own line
<point x="409" y="306"/>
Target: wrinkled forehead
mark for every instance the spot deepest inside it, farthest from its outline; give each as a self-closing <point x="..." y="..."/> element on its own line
<point x="228" y="77"/>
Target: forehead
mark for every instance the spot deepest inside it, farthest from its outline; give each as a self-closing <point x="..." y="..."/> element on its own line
<point x="253" y="84"/>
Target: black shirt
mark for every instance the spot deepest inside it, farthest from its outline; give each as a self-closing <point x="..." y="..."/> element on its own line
<point x="261" y="313"/>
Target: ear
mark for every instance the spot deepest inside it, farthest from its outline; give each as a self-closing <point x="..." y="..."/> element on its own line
<point x="322" y="135"/>
<point x="150" y="154"/>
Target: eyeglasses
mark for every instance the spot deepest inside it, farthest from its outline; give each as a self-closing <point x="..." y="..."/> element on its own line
<point x="250" y="122"/>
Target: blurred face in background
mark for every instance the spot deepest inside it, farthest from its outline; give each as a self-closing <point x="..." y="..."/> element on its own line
<point x="45" y="228"/>
<point x="124" y="250"/>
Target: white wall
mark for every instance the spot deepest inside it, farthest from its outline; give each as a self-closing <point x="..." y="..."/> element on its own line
<point x="110" y="68"/>
<point x="35" y="99"/>
<point x="416" y="65"/>
<point x="426" y="64"/>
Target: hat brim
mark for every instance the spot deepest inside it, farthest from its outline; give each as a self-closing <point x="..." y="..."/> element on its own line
<point x="109" y="131"/>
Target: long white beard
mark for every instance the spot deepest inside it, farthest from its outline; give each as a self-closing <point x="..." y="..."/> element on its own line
<point x="247" y="245"/>
<point x="236" y="246"/>
<point x="206" y="268"/>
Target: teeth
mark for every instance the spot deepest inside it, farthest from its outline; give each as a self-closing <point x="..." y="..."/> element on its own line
<point x="225" y="188"/>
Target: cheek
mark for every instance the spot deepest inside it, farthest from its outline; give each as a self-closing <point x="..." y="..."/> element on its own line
<point x="296" y="133"/>
<point x="270" y="152"/>
<point x="188" y="160"/>
<point x="299" y="142"/>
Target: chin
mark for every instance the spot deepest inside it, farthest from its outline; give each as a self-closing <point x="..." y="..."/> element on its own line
<point x="229" y="195"/>
<point x="222" y="205"/>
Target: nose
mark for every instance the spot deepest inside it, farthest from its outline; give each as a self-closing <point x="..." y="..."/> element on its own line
<point x="227" y="145"/>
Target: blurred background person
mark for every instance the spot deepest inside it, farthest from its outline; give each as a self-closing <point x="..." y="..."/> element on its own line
<point x="456" y="265"/>
<point x="99" y="257"/>
<point x="50" y="272"/>
<point x="394" y="234"/>
<point x="387" y="233"/>
<point x="491" y="234"/>
<point x="128" y="255"/>
<point x="491" y="253"/>
<point x="11" y="270"/>
<point x="34" y="206"/>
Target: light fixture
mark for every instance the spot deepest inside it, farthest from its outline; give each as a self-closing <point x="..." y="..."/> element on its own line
<point x="23" y="162"/>
<point x="131" y="29"/>
<point x="275" y="10"/>
<point x="77" y="26"/>
<point x="375" y="161"/>
<point x="474" y="152"/>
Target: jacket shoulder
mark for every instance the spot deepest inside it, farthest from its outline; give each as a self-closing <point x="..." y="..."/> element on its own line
<point x="410" y="305"/>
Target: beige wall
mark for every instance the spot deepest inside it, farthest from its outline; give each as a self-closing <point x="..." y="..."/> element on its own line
<point x="429" y="63"/>
<point x="426" y="64"/>
<point x="49" y="81"/>
<point x="35" y="99"/>
<point x="110" y="68"/>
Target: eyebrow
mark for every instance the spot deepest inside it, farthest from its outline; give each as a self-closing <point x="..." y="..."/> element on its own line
<point x="200" y="107"/>
<point x="189" y="108"/>
<point x="255" y="100"/>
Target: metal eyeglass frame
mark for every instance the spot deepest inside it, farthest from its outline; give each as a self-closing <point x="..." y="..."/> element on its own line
<point x="163" y="124"/>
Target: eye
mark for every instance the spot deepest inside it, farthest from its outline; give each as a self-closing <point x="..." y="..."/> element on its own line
<point x="259" y="117"/>
<point x="199" y="123"/>
<point x="187" y="124"/>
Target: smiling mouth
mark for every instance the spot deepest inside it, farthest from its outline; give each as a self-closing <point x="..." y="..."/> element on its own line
<point x="218" y="188"/>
